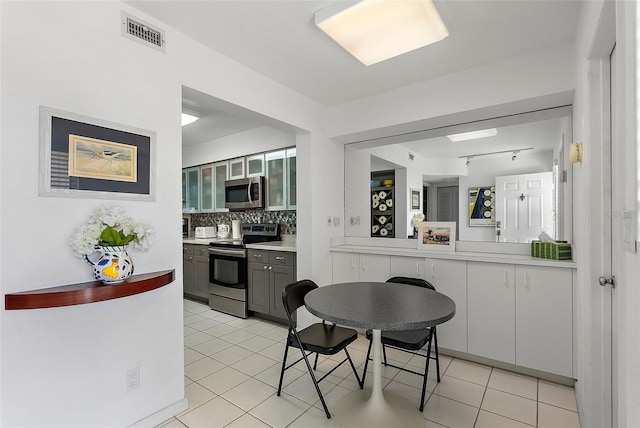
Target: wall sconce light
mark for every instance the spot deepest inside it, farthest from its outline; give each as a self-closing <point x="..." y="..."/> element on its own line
<point x="575" y="153"/>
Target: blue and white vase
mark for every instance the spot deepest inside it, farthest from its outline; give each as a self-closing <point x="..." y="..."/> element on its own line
<point x="111" y="265"/>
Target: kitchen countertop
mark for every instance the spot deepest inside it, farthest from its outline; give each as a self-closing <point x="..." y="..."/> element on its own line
<point x="289" y="246"/>
<point x="199" y="241"/>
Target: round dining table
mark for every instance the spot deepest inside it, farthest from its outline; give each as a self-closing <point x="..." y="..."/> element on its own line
<point x="379" y="306"/>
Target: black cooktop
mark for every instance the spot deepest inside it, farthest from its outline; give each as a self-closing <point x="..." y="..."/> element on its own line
<point x="251" y="233"/>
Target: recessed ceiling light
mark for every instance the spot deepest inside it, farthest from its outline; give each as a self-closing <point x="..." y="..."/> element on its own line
<point x="376" y="30"/>
<point x="188" y="118"/>
<point x="483" y="133"/>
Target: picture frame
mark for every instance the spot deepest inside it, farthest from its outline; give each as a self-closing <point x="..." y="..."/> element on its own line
<point x="482" y="206"/>
<point x="415" y="199"/>
<point x="85" y="157"/>
<point x="437" y="236"/>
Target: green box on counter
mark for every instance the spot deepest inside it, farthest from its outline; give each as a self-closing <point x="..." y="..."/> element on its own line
<point x="536" y="248"/>
<point x="551" y="250"/>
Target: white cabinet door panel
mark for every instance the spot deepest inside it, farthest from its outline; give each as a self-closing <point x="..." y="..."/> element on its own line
<point x="412" y="267"/>
<point x="491" y="310"/>
<point x="346" y="267"/>
<point x="544" y="319"/>
<point x="375" y="267"/>
<point x="449" y="277"/>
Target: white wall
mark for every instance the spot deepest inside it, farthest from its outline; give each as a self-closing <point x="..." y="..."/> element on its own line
<point x="518" y="84"/>
<point x="66" y="366"/>
<point x="591" y="299"/>
<point x="257" y="140"/>
<point x="76" y="357"/>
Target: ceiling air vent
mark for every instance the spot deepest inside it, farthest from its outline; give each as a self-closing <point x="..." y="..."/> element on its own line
<point x="140" y="31"/>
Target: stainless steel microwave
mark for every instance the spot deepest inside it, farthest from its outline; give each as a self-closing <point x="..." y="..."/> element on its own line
<point x="244" y="193"/>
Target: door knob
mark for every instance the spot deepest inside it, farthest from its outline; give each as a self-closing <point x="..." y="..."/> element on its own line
<point x="603" y="280"/>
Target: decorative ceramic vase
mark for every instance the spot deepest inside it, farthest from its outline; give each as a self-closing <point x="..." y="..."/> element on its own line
<point x="111" y="265"/>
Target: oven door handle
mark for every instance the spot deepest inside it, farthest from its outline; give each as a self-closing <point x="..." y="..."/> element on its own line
<point x="228" y="252"/>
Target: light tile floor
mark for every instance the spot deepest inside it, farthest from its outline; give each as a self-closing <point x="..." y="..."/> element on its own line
<point x="232" y="368"/>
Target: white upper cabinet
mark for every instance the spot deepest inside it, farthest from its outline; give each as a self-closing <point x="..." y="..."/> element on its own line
<point x="236" y="168"/>
<point x="255" y="165"/>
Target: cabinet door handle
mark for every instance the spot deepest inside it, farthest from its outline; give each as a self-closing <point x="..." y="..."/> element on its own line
<point x="353" y="262"/>
<point x="418" y="268"/>
<point x="279" y="258"/>
<point x="265" y="267"/>
<point x="270" y="267"/>
<point x="526" y="279"/>
<point x="257" y="256"/>
<point x="433" y="272"/>
<point x="364" y="264"/>
<point x="505" y="278"/>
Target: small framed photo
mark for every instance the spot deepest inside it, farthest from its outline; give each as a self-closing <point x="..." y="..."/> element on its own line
<point x="437" y="236"/>
<point x="415" y="200"/>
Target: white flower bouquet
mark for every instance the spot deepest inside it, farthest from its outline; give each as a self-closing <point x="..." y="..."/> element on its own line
<point x="417" y="219"/>
<point x="110" y="227"/>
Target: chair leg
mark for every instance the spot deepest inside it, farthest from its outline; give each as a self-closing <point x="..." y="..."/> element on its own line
<point x="366" y="363"/>
<point x="426" y="373"/>
<point x="315" y="383"/>
<point x="284" y="363"/>
<point x="315" y="362"/>
<point x="435" y="343"/>
<point x="384" y="353"/>
<point x="353" y="367"/>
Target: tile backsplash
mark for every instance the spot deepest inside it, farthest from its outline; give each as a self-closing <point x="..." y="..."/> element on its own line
<point x="286" y="219"/>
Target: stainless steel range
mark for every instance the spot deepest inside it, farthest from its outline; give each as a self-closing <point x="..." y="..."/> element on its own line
<point x="228" y="267"/>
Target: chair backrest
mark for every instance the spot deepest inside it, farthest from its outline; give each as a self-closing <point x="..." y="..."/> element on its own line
<point x="419" y="282"/>
<point x="293" y="295"/>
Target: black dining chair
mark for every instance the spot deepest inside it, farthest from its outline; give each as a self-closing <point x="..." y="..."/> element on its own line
<point x="318" y="338"/>
<point x="411" y="341"/>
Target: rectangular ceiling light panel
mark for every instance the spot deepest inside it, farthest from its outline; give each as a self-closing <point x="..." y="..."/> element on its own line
<point x="483" y="133"/>
<point x="376" y="30"/>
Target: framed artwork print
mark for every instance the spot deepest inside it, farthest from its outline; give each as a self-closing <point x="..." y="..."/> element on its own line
<point x="437" y="236"/>
<point x="415" y="200"/>
<point x="86" y="157"/>
<point x="482" y="206"/>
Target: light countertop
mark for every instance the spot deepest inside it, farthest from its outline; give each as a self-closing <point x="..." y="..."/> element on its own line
<point x="199" y="241"/>
<point x="289" y="246"/>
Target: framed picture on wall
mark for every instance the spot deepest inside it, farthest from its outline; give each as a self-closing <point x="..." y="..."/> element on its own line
<point x="84" y="157"/>
<point x="437" y="236"/>
<point x="415" y="199"/>
<point x="482" y="206"/>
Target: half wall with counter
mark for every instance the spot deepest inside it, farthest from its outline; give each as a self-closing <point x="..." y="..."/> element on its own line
<point x="512" y="310"/>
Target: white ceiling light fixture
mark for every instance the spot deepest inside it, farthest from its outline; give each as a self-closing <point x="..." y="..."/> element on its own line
<point x="464" y="136"/>
<point x="376" y="30"/>
<point x="188" y="118"/>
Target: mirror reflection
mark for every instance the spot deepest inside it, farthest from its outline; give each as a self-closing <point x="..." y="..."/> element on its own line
<point x="507" y="184"/>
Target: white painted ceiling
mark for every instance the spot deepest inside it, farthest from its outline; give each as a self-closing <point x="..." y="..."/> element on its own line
<point x="279" y="40"/>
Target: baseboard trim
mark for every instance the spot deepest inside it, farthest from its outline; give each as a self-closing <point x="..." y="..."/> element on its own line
<point x="162" y="415"/>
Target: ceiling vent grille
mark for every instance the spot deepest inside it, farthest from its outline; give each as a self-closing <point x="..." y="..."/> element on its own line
<point x="135" y="29"/>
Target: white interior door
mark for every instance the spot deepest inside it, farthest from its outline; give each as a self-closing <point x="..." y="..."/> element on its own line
<point x="525" y="206"/>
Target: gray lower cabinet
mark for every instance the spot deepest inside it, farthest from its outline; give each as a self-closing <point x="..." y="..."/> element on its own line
<point x="195" y="264"/>
<point x="268" y="273"/>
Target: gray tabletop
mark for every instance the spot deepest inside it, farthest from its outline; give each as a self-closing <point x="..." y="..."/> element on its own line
<point x="380" y="305"/>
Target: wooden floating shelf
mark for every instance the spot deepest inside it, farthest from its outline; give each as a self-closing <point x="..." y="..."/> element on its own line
<point x="87" y="292"/>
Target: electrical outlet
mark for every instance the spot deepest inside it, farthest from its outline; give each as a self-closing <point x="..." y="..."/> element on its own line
<point x="329" y="221"/>
<point x="336" y="221"/>
<point x="133" y="379"/>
